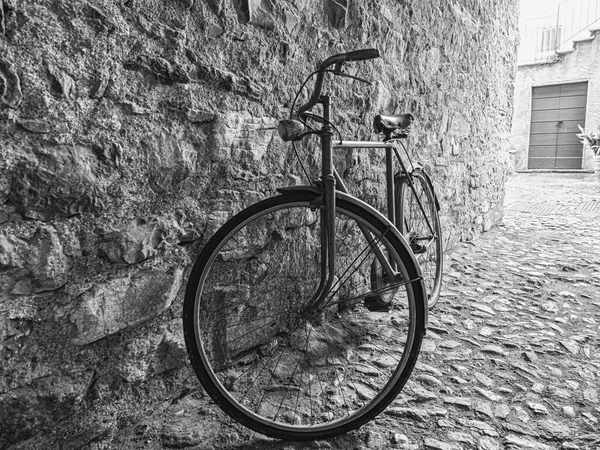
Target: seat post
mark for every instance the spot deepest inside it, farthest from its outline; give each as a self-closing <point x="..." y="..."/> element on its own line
<point x="389" y="182"/>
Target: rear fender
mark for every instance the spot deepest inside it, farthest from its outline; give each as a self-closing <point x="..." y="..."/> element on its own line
<point x="419" y="168"/>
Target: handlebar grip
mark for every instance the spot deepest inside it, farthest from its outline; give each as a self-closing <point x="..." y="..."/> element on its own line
<point x="356" y="55"/>
<point x="362" y="55"/>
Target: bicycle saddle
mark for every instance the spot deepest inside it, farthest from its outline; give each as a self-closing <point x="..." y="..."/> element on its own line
<point x="389" y="124"/>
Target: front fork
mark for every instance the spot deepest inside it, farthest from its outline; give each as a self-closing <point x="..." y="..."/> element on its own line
<point x="329" y="178"/>
<point x="327" y="207"/>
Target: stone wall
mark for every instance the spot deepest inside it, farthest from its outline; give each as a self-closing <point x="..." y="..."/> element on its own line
<point x="131" y="129"/>
<point x="580" y="64"/>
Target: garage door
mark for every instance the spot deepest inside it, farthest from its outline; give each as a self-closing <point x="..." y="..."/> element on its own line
<point x="555" y="112"/>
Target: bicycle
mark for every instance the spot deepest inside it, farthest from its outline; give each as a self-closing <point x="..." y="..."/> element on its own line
<point x="280" y="317"/>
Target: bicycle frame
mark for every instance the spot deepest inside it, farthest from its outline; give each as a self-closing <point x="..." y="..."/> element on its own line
<point x="331" y="181"/>
<point x="390" y="176"/>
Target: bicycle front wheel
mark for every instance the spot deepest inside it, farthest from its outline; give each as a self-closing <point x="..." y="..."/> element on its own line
<point x="268" y="359"/>
<point x="418" y="220"/>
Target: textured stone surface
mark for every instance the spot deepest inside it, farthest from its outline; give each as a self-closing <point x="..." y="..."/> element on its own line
<point x="131" y="130"/>
<point x="121" y="303"/>
<point x="33" y="265"/>
<point x="10" y="84"/>
<point x="55" y="181"/>
<point x="41" y="402"/>
<point x="171" y="159"/>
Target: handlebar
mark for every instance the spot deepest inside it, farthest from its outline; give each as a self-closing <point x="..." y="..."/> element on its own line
<point x="338" y="60"/>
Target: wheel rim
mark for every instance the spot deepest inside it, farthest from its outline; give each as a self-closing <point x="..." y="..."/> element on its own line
<point x="283" y="369"/>
<point x="426" y="245"/>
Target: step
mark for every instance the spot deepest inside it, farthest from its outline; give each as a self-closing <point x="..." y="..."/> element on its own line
<point x="585" y="39"/>
<point x="565" y="52"/>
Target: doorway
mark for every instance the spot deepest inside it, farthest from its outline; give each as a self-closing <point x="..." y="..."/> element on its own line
<point x="555" y="113"/>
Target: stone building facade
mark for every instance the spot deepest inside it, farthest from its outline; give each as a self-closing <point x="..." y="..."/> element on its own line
<point x="131" y="129"/>
<point x="577" y="66"/>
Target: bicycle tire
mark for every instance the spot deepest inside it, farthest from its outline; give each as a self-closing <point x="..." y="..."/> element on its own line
<point x="293" y="376"/>
<point x="411" y="223"/>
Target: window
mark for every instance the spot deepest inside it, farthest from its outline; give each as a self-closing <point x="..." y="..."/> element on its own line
<point x="547" y="40"/>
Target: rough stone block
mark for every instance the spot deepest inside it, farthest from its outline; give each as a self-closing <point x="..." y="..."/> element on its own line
<point x="171" y="352"/>
<point x="10" y="85"/>
<point x="336" y="12"/>
<point x="429" y="64"/>
<point x="489" y="219"/>
<point x="255" y="12"/>
<point x="460" y="126"/>
<point x="35" y="265"/>
<point x="133" y="108"/>
<point x="165" y="72"/>
<point x="291" y="21"/>
<point x="441" y="161"/>
<point x="28" y="409"/>
<point x="199" y="116"/>
<point x="134" y="362"/>
<point x="242" y="137"/>
<point x="170" y="161"/>
<point x="229" y="81"/>
<point x="62" y="82"/>
<point x="135" y="244"/>
<point x="101" y="85"/>
<point x="56" y="181"/>
<point x="148" y="356"/>
<point x="98" y="18"/>
<point x="122" y="303"/>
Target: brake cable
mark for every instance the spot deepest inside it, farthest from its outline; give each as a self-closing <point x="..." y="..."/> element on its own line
<point x="336" y="71"/>
<point x="299" y="92"/>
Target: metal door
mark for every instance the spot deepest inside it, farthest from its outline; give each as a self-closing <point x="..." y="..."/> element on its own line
<point x="555" y="113"/>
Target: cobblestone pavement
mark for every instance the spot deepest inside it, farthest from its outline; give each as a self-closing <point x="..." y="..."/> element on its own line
<point x="512" y="357"/>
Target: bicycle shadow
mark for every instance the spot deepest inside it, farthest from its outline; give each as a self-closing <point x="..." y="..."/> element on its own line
<point x="346" y="441"/>
<point x="233" y="436"/>
<point x="194" y="419"/>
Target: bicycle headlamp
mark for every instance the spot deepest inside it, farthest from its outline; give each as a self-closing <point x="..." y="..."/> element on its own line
<point x="290" y="130"/>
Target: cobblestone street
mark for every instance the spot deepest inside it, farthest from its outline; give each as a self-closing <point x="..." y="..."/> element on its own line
<point x="512" y="357"/>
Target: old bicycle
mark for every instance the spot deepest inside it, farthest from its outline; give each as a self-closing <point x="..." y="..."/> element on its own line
<point x="281" y="315"/>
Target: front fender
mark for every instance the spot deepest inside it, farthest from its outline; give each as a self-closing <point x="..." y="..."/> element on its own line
<point x="300" y="188"/>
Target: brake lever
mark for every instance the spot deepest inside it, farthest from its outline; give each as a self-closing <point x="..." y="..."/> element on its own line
<point x="342" y="74"/>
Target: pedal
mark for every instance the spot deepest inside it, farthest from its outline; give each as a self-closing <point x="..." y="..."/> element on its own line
<point x="374" y="304"/>
<point x="417" y="248"/>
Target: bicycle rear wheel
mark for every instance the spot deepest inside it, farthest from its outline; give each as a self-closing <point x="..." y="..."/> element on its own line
<point x="422" y="229"/>
<point x="269" y="361"/>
